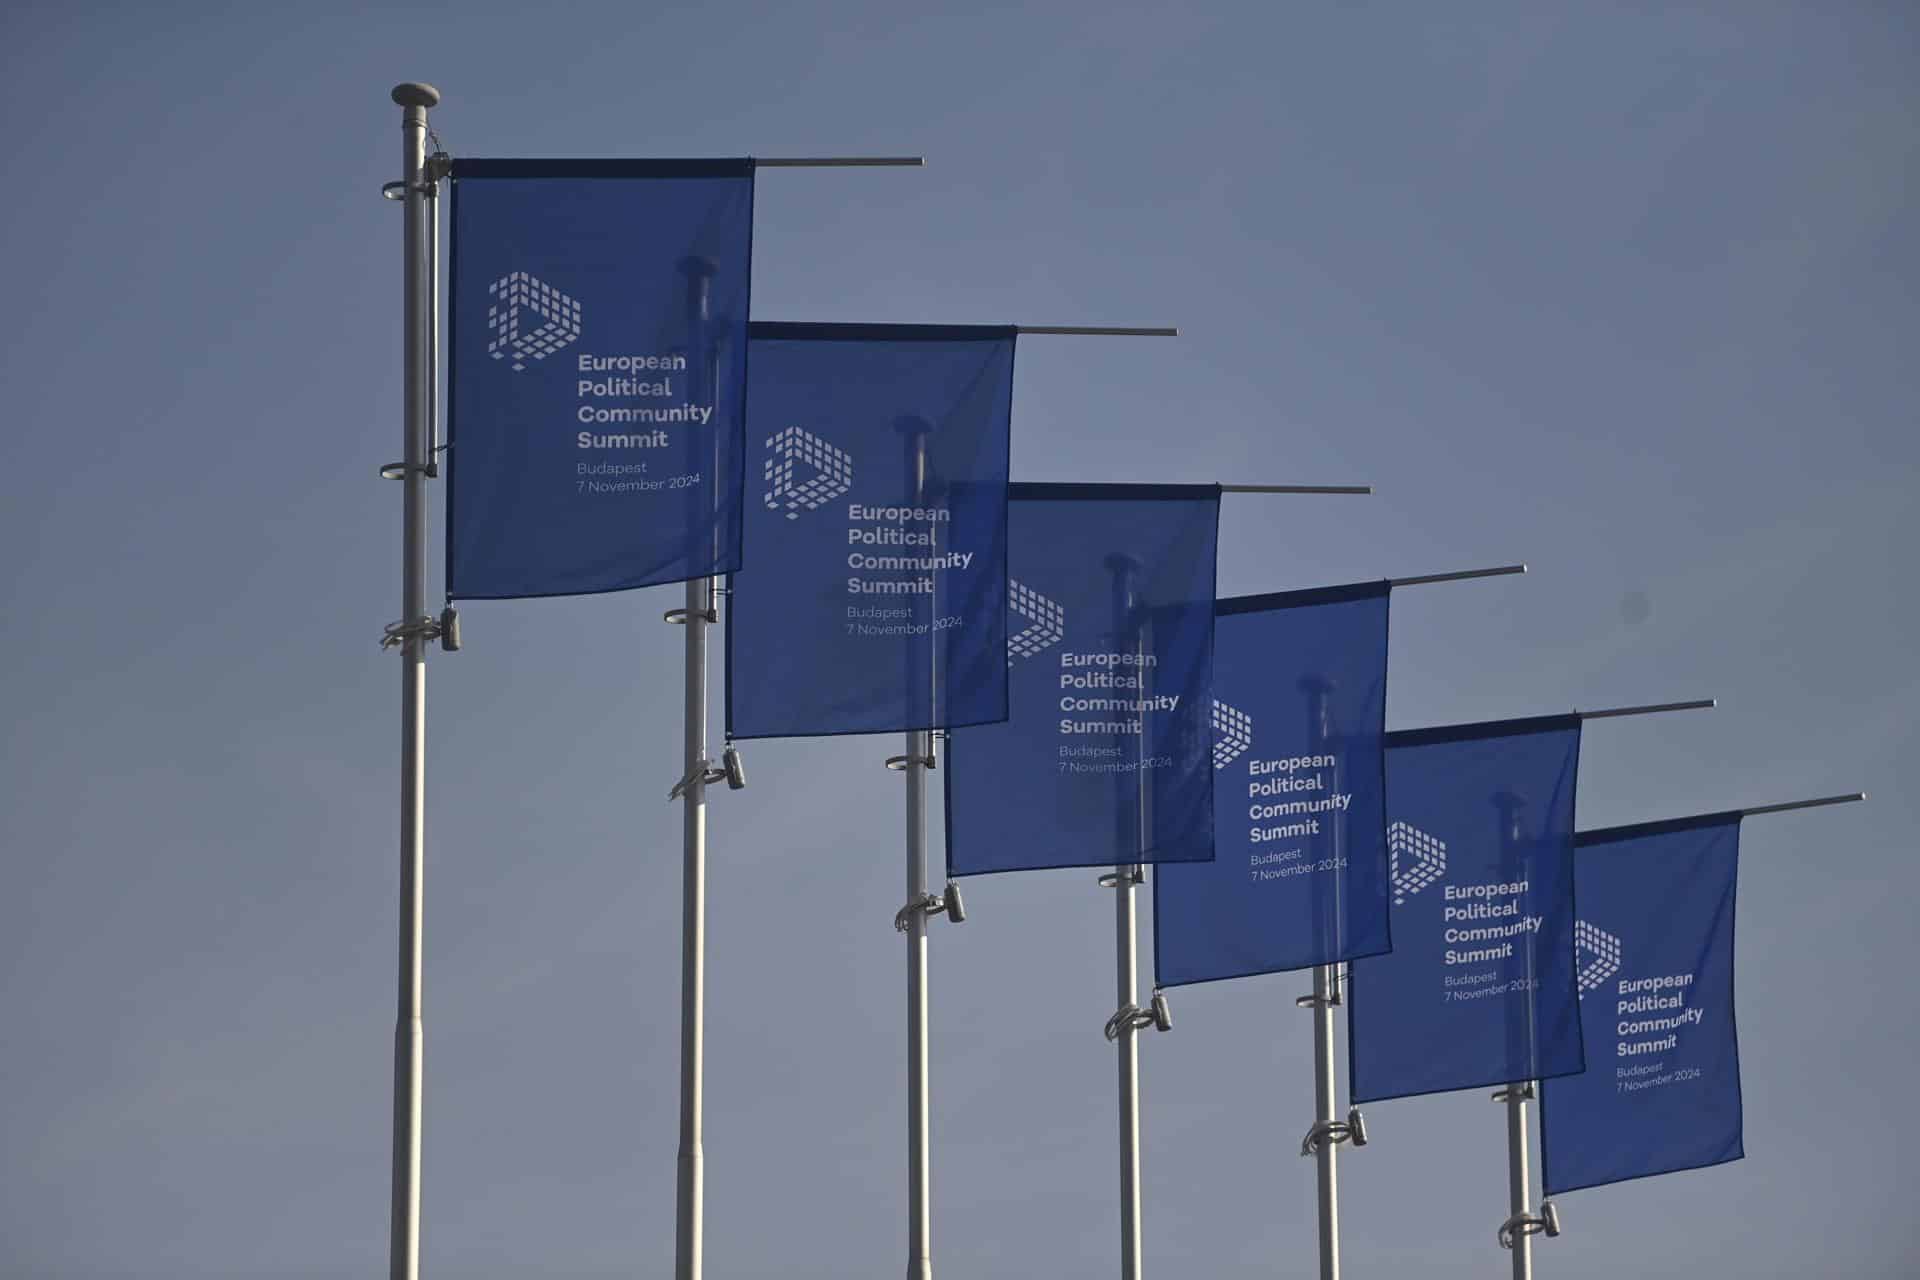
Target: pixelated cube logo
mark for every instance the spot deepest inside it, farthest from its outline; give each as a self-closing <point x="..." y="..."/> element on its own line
<point x="804" y="472"/>
<point x="1232" y="733"/>
<point x="1598" y="955"/>
<point x="1046" y="621"/>
<point x="1415" y="860"/>
<point x="518" y="299"/>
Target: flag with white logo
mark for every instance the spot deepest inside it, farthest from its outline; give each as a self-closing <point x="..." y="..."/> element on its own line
<point x="873" y="597"/>
<point x="596" y="373"/>
<point x="1662" y="1090"/>
<point x="1299" y="875"/>
<point x="1481" y="987"/>
<point x="1107" y="755"/>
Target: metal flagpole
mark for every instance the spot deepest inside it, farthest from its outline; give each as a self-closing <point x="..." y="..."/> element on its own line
<point x="411" y="634"/>
<point x="700" y="613"/>
<point x="912" y="918"/>
<point x="690" y="1185"/>
<point x="1328" y="1132"/>
<point x="1522" y="1224"/>
<point x="1323" y="1140"/>
<point x="1129" y="1020"/>
<point x="1516" y="1232"/>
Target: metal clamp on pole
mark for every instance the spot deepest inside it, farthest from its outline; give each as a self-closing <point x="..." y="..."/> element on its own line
<point x="932" y="904"/>
<point x="445" y="629"/>
<point x="1524" y="1092"/>
<point x="1545" y="1223"/>
<point x="731" y="770"/>
<point x="900" y="764"/>
<point x="1333" y="1132"/>
<point x="1114" y="880"/>
<point x="1311" y="1001"/>
<point x="1130" y="1017"/>
<point x="437" y="166"/>
<point x="678" y="617"/>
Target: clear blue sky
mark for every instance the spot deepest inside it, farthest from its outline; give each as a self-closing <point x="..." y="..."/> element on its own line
<point x="1630" y="293"/>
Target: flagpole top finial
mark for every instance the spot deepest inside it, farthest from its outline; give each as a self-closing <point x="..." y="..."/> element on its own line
<point x="415" y="94"/>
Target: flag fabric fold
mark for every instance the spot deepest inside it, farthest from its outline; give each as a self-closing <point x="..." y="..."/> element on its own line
<point x="1655" y="937"/>
<point x="596" y="373"/>
<point x="1105" y="757"/>
<point x="1300" y="875"/>
<point x="873" y="598"/>
<point x="1480" y="986"/>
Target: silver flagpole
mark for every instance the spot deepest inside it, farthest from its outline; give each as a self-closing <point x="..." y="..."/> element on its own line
<point x="411" y="634"/>
<point x="912" y="920"/>
<point x="1522" y="1224"/>
<point x="698" y="614"/>
<point x="1515" y="1233"/>
<point x="1328" y="1132"/>
<point x="690" y="1186"/>
<point x="1125" y="1027"/>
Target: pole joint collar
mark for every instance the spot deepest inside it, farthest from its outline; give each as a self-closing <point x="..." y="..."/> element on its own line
<point x="678" y="617"/>
<point x="1522" y="1092"/>
<point x="1122" y="880"/>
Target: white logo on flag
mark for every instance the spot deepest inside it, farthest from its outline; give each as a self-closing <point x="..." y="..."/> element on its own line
<point x="1415" y="860"/>
<point x="1046" y="621"/>
<point x="521" y="293"/>
<point x="831" y="472"/>
<point x="1598" y="954"/>
<point x="1232" y="733"/>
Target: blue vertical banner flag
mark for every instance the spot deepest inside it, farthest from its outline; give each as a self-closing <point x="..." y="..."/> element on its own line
<point x="1105" y="757"/>
<point x="874" y="597"/>
<point x="1480" y="988"/>
<point x="596" y="375"/>
<point x="1655" y="939"/>
<point x="1299" y="875"/>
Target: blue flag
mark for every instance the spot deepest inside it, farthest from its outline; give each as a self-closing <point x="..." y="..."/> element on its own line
<point x="596" y="375"/>
<point x="1479" y="988"/>
<point x="1104" y="759"/>
<point x="1299" y="876"/>
<point x="1656" y="997"/>
<point x="874" y="595"/>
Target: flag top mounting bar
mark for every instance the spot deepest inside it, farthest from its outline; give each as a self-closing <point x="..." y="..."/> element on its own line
<point x="1268" y="600"/>
<point x="1297" y="488"/>
<point x="1530" y="724"/>
<point x="813" y="329"/>
<point x="841" y="162"/>
<point x="1032" y="487"/>
<point x="1819" y="802"/>
<point x="1422" y="579"/>
<point x="690" y="167"/>
<point x="1698" y="704"/>
<point x="1638" y="830"/>
<point x="1096" y="331"/>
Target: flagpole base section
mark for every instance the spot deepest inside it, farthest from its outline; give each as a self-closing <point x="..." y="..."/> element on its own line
<point x="1545" y="1223"/>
